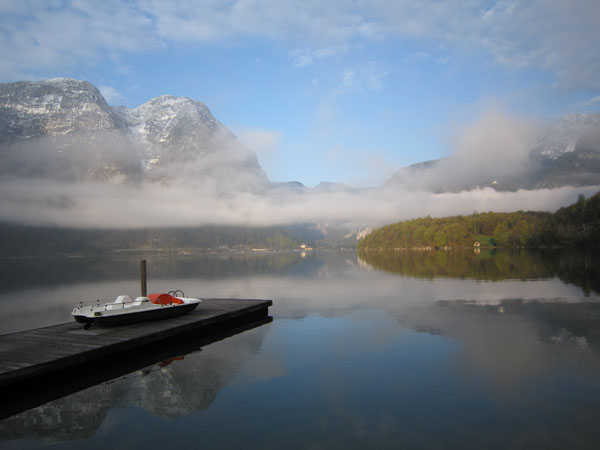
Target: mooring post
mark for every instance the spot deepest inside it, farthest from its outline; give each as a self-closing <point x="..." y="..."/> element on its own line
<point x="143" y="276"/>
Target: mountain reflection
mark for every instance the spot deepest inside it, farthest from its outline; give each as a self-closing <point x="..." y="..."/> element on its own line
<point x="515" y="339"/>
<point x="178" y="386"/>
<point x="513" y="363"/>
<point x="576" y="268"/>
<point x="33" y="272"/>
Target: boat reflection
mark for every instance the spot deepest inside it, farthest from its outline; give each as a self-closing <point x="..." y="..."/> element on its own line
<point x="174" y="378"/>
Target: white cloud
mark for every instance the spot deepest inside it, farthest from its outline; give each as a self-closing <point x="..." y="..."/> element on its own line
<point x="306" y="57"/>
<point x="592" y="101"/>
<point x="265" y="143"/>
<point x="367" y="77"/>
<point x="111" y="95"/>
<point x="349" y="80"/>
<point x="58" y="36"/>
<point x="416" y="57"/>
<point x="494" y="146"/>
<point x="553" y="35"/>
<point x="260" y="140"/>
<point x="209" y="191"/>
<point x="125" y="70"/>
<point x="368" y="166"/>
<point x="94" y="204"/>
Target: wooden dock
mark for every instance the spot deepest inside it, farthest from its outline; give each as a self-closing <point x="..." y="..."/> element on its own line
<point x="30" y="355"/>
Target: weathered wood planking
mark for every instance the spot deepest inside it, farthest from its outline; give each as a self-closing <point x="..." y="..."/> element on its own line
<point x="36" y="352"/>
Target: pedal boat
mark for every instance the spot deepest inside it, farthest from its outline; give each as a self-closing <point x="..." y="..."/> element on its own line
<point x="125" y="310"/>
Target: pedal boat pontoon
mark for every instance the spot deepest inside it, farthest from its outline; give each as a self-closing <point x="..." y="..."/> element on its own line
<point x="125" y="310"/>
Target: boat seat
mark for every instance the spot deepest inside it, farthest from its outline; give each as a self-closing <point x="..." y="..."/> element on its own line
<point x="138" y="301"/>
<point x="120" y="302"/>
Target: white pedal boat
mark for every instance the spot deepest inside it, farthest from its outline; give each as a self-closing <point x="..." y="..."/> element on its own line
<point x="125" y="310"/>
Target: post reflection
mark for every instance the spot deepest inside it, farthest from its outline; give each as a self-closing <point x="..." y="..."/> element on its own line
<point x="169" y="380"/>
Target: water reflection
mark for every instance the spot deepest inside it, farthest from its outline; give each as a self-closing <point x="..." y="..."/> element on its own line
<point x="18" y="273"/>
<point x="494" y="352"/>
<point x="330" y="284"/>
<point x="40" y="292"/>
<point x="173" y="387"/>
<point x="579" y="268"/>
<point x="517" y="340"/>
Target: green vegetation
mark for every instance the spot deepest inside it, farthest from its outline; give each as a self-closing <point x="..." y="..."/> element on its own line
<point x="574" y="225"/>
<point x="490" y="264"/>
<point x="570" y="265"/>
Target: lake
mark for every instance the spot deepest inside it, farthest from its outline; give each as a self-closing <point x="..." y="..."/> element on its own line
<point x="399" y="350"/>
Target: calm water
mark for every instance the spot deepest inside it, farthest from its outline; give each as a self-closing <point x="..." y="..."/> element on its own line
<point x="382" y="351"/>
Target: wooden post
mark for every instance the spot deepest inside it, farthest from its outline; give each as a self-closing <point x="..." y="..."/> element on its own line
<point x="143" y="276"/>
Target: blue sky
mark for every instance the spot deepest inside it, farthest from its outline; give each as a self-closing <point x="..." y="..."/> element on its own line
<point x="341" y="91"/>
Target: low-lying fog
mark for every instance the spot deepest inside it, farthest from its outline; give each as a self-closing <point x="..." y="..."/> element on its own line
<point x="496" y="145"/>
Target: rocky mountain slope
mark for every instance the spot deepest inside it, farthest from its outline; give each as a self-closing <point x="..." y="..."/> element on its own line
<point x="567" y="153"/>
<point x="561" y="137"/>
<point x="64" y="129"/>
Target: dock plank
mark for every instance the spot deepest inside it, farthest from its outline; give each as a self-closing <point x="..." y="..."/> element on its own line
<point x="36" y="352"/>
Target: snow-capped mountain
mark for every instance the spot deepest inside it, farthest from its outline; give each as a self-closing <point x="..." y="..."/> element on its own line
<point x="567" y="153"/>
<point x="562" y="136"/>
<point x="63" y="128"/>
<point x="178" y="130"/>
<point x="167" y="125"/>
<point x="51" y="108"/>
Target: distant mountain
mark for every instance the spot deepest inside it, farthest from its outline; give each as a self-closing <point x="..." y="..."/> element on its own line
<point x="181" y="133"/>
<point x="64" y="129"/>
<point x="51" y="108"/>
<point x="562" y="136"/>
<point x="566" y="153"/>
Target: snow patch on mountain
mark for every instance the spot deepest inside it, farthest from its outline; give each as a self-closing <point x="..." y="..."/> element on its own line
<point x="78" y="135"/>
<point x="562" y="136"/>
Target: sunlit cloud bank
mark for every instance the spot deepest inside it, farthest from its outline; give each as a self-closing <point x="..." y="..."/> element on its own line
<point x="113" y="205"/>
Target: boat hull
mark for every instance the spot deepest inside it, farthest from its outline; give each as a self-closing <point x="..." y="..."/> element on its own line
<point x="139" y="316"/>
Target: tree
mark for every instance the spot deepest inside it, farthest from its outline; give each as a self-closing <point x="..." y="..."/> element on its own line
<point x="501" y="233"/>
<point x="521" y="234"/>
<point x="440" y="239"/>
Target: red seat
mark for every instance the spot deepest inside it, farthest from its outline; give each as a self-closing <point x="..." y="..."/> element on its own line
<point x="163" y="299"/>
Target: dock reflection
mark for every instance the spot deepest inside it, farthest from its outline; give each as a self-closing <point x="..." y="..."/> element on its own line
<point x="176" y="377"/>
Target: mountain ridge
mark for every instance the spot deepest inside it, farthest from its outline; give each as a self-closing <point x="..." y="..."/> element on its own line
<point x="67" y="126"/>
<point x="566" y="153"/>
<point x="63" y="128"/>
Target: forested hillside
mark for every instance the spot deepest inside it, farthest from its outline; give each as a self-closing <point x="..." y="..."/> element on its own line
<point x="574" y="225"/>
